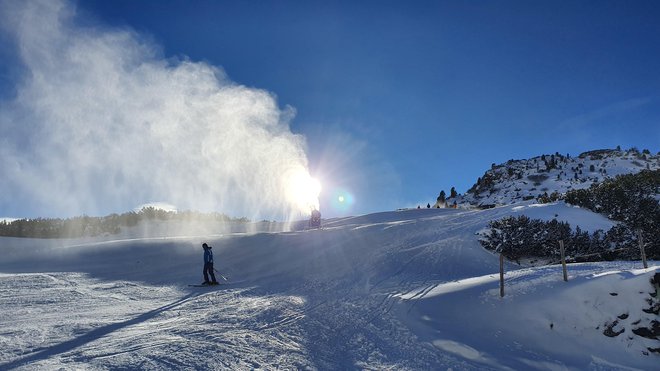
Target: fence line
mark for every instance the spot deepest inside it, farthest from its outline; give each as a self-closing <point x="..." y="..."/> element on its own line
<point x="563" y="260"/>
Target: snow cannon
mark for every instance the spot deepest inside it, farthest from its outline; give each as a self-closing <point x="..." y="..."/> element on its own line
<point x="315" y="219"/>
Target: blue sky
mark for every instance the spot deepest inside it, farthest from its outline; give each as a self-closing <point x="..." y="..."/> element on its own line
<point x="399" y="100"/>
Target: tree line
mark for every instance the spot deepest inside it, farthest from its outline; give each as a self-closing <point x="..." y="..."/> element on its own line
<point x="88" y="226"/>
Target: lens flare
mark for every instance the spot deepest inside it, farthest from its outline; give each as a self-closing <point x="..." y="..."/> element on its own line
<point x="342" y="201"/>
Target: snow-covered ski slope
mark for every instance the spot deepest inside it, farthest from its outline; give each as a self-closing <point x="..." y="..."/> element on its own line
<point x="394" y="290"/>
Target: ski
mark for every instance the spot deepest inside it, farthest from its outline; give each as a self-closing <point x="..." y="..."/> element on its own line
<point x="217" y="284"/>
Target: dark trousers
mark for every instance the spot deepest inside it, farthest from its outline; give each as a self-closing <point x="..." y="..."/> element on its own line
<point x="208" y="269"/>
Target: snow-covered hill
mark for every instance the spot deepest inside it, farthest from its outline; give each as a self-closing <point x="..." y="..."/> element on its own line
<point x="520" y="180"/>
<point x="395" y="290"/>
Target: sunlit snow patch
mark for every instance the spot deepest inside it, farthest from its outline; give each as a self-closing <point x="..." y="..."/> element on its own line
<point x="157" y="205"/>
<point x="466" y="352"/>
<point x="445" y="288"/>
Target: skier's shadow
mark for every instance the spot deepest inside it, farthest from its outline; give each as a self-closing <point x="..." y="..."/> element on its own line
<point x="92" y="335"/>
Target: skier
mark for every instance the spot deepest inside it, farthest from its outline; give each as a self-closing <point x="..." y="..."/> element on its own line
<point x="208" y="265"/>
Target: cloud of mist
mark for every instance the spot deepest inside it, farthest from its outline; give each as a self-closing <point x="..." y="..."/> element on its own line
<point x="102" y="122"/>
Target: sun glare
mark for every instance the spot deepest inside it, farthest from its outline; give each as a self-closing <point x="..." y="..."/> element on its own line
<point x="303" y="191"/>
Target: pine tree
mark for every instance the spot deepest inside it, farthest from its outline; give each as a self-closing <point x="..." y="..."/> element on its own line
<point x="441" y="197"/>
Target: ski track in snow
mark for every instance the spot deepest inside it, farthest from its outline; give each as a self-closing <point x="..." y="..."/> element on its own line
<point x="398" y="290"/>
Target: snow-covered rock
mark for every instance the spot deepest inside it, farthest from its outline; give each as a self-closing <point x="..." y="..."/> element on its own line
<point x="521" y="180"/>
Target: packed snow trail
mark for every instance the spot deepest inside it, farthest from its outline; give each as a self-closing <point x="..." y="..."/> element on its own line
<point x="399" y="290"/>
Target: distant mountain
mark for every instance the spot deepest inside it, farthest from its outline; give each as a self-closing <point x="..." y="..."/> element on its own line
<point x="538" y="177"/>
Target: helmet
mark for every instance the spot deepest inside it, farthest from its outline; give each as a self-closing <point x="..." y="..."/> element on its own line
<point x="204" y="245"/>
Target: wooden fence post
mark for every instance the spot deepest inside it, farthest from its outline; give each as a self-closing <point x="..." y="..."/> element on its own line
<point x="563" y="260"/>
<point x="641" y="247"/>
<point x="501" y="275"/>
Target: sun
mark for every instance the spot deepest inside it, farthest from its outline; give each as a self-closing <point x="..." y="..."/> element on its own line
<point x="340" y="199"/>
<point x="303" y="191"/>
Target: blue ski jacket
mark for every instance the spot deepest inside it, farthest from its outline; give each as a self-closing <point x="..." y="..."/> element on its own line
<point x="208" y="255"/>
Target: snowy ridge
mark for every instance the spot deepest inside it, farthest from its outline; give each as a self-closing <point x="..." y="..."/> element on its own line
<point x="521" y="180"/>
<point x="403" y="290"/>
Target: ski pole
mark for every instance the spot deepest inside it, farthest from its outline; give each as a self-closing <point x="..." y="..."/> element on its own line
<point x="218" y="272"/>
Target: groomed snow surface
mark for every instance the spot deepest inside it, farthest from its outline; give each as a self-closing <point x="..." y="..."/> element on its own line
<point x="396" y="290"/>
